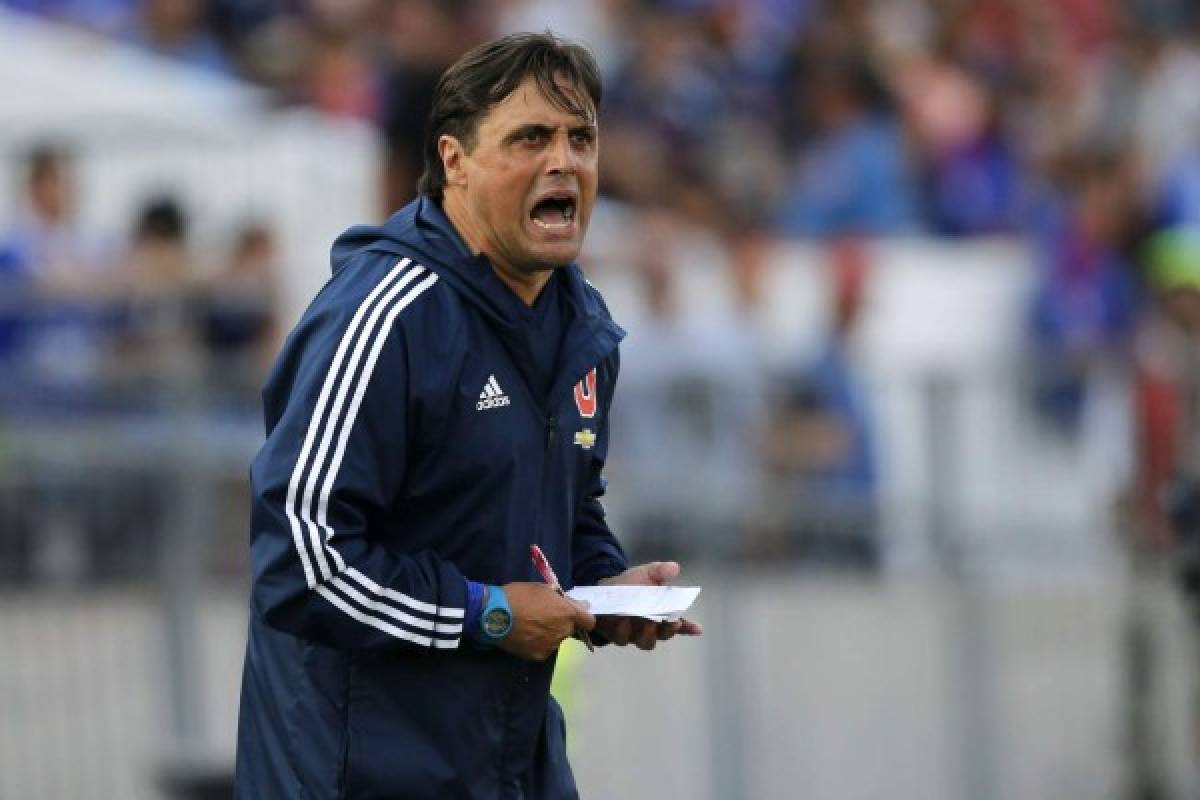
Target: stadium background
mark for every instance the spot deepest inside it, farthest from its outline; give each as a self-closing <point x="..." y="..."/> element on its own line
<point x="882" y="264"/>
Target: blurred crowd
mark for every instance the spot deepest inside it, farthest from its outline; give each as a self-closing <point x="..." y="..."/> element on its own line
<point x="140" y="331"/>
<point x="806" y="117"/>
<point x="1072" y="123"/>
<point x="92" y="323"/>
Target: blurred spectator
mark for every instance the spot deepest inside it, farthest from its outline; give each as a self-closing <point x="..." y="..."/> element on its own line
<point x="662" y="105"/>
<point x="421" y="39"/>
<point x="235" y="23"/>
<point x="270" y="43"/>
<point x="972" y="176"/>
<point x="595" y="24"/>
<point x="820" y="443"/>
<point x="1168" y="390"/>
<point x="340" y="80"/>
<point x="46" y="241"/>
<point x="157" y="348"/>
<point x="1141" y="91"/>
<point x="1084" y="304"/>
<point x="853" y="175"/>
<point x="178" y="29"/>
<point x="238" y="314"/>
<point x="748" y="264"/>
<point x="684" y="411"/>
<point x="1167" y="410"/>
<point x="734" y="342"/>
<point x="60" y="284"/>
<point x="158" y="260"/>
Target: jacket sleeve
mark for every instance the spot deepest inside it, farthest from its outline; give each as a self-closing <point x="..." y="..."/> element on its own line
<point x="596" y="553"/>
<point x="327" y="476"/>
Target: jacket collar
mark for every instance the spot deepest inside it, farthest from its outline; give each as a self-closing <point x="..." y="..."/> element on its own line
<point x="590" y="338"/>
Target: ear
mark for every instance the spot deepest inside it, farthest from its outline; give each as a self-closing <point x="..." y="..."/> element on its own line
<point x="452" y="154"/>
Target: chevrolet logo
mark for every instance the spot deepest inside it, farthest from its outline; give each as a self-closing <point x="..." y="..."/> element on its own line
<point x="585" y="438"/>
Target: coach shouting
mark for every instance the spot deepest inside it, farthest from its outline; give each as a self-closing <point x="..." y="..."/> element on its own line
<point x="441" y="406"/>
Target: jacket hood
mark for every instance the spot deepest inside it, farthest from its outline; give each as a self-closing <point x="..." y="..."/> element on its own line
<point x="422" y="231"/>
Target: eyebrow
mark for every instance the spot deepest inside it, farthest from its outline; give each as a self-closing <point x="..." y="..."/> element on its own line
<point x="537" y="127"/>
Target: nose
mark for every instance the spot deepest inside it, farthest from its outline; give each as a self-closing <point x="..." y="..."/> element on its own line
<point x="561" y="157"/>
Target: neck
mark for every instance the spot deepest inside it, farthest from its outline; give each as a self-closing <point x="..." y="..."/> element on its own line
<point x="525" y="284"/>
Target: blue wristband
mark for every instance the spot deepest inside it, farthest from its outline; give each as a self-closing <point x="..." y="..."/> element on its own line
<point x="474" y="610"/>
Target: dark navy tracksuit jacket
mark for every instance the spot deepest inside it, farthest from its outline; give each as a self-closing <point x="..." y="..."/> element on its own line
<point x="410" y="447"/>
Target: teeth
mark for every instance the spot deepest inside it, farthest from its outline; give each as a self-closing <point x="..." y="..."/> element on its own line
<point x="566" y="215"/>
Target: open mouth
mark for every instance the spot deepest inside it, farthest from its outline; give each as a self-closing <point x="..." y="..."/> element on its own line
<point x="555" y="211"/>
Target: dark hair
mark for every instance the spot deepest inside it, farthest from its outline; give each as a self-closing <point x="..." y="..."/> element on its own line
<point x="46" y="157"/>
<point x="162" y="218"/>
<point x="489" y="73"/>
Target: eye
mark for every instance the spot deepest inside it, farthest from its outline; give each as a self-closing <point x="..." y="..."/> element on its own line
<point x="582" y="138"/>
<point x="531" y="136"/>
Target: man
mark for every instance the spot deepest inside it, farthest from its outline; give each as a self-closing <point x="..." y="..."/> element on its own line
<point x="441" y="406"/>
<point x="59" y="295"/>
<point x="821" y="454"/>
<point x="47" y="237"/>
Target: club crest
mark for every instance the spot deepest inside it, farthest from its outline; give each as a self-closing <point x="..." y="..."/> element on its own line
<point x="585" y="395"/>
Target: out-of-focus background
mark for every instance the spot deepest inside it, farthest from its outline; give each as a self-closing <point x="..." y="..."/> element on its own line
<point x="911" y="387"/>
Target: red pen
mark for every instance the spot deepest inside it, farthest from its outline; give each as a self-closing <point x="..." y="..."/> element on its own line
<point x="547" y="572"/>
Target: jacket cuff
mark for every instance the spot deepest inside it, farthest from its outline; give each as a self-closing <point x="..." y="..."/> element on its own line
<point x="473" y="610"/>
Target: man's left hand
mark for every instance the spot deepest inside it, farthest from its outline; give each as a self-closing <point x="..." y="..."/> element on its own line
<point x="643" y="632"/>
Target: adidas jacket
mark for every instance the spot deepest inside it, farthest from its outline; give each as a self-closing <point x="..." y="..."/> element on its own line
<point x="406" y="453"/>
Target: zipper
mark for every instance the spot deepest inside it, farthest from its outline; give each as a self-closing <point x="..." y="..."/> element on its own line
<point x="551" y="423"/>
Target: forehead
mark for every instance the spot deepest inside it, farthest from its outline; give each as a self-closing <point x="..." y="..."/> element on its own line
<point x="528" y="105"/>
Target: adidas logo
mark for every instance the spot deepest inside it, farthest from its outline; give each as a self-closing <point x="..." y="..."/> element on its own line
<point x="492" y="395"/>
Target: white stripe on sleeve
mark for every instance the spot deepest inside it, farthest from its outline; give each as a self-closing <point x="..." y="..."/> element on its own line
<point x="339" y="417"/>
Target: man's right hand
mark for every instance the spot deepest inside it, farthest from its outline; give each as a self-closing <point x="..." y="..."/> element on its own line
<point x="542" y="618"/>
